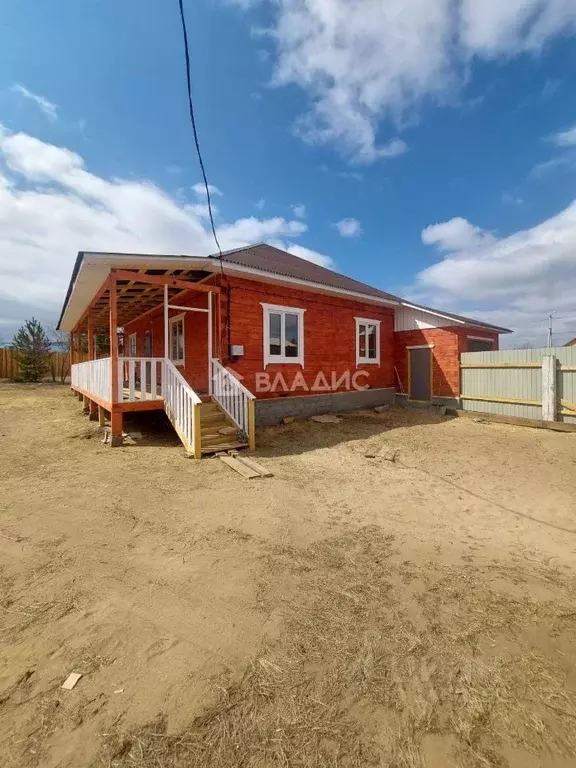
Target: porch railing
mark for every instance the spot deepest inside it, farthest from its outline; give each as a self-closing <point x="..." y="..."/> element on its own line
<point x="235" y="399"/>
<point x="94" y="377"/>
<point x="182" y="405"/>
<point x="139" y="378"/>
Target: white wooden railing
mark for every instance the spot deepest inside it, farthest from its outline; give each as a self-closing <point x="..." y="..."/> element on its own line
<point x="182" y="405"/>
<point x="234" y="398"/>
<point x="139" y="378"/>
<point x="94" y="377"/>
<point x="157" y="378"/>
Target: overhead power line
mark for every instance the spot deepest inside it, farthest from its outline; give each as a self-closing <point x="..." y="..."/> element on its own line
<point x="193" y="121"/>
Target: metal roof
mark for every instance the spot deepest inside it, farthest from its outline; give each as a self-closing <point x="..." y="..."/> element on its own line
<point x="267" y="258"/>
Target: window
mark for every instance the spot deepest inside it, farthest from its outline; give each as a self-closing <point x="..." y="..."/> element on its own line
<point x="147" y="343"/>
<point x="177" y="339"/>
<point x="132" y="345"/>
<point x="367" y="341"/>
<point x="283" y="334"/>
<point x="480" y="344"/>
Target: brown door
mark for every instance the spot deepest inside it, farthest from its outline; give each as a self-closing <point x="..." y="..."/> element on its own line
<point x="420" y="373"/>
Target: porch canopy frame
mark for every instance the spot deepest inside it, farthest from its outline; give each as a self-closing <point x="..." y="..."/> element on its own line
<point x="126" y="295"/>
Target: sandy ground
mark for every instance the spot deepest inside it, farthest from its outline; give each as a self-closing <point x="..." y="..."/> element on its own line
<point x="346" y="612"/>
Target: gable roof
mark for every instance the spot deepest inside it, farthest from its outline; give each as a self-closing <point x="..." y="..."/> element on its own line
<point x="267" y="258"/>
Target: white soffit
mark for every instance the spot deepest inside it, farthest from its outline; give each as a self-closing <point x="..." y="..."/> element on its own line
<point x="95" y="268"/>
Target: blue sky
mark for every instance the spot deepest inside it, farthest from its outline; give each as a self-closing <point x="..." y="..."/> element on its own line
<point x="428" y="153"/>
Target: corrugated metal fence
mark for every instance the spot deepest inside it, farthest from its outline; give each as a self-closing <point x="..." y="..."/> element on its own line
<point x="509" y="382"/>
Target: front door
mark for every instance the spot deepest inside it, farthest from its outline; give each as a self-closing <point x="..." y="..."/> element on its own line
<point x="420" y="362"/>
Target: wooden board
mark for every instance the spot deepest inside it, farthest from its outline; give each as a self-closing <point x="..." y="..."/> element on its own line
<point x="239" y="467"/>
<point x="255" y="466"/>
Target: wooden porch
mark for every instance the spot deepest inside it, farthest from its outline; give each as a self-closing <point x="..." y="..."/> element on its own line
<point x="219" y="419"/>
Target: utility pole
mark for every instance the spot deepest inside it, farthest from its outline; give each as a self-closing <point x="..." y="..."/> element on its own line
<point x="550" y="316"/>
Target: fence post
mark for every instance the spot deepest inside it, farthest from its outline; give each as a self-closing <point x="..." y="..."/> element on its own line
<point x="548" y="388"/>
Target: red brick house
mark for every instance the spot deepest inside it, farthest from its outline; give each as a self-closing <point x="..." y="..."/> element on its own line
<point x="250" y="338"/>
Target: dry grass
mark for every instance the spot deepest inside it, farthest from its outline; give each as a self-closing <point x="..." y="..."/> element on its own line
<point x="374" y="656"/>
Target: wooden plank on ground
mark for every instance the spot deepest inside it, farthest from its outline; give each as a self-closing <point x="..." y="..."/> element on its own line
<point x="255" y="466"/>
<point x="518" y="421"/>
<point x="239" y="467"/>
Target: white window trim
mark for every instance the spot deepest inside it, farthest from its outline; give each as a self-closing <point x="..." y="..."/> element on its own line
<point x="133" y="337"/>
<point x="171" y="322"/>
<point x="367" y="360"/>
<point x="421" y="346"/>
<point x="280" y="308"/>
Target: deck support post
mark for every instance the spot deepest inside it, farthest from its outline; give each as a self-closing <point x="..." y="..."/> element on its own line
<point x="116" y="426"/>
<point x="101" y="416"/>
<point x="86" y="404"/>
<point x="252" y="424"/>
<point x="93" y="408"/>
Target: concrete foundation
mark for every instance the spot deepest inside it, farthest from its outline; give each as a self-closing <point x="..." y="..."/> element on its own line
<point x="449" y="402"/>
<point x="272" y="410"/>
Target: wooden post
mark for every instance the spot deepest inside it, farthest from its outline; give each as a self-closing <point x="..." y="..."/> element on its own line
<point x="86" y="404"/>
<point x="116" y="418"/>
<point x="197" y="431"/>
<point x="101" y="416"/>
<point x="252" y="424"/>
<point x="116" y="424"/>
<point x="93" y="410"/>
<point x="548" y="388"/>
<point x="210" y="343"/>
<point x="91" y="346"/>
<point x="166" y="338"/>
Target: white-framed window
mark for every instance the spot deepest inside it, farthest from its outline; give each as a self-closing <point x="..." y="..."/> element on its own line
<point x="367" y="341"/>
<point x="283" y="334"/>
<point x="132" y="345"/>
<point x="176" y="333"/>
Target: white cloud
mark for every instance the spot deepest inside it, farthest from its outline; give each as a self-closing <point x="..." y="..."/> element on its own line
<point x="261" y="203"/>
<point x="514" y="280"/>
<point x="455" y="235"/>
<point x="349" y="227"/>
<point x="51" y="207"/>
<point x="48" y="107"/>
<point x="369" y="66"/>
<point x="200" y="190"/>
<point x="566" y="138"/>
<point x="299" y="210"/>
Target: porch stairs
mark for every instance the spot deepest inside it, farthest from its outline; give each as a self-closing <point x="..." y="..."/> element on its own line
<point x="213" y="419"/>
<point x="226" y="421"/>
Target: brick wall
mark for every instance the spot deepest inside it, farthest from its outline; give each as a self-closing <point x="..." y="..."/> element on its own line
<point x="448" y="343"/>
<point x="329" y="336"/>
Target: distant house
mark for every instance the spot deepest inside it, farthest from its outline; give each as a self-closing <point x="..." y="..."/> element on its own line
<point x="251" y="338"/>
<point x="571" y="343"/>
